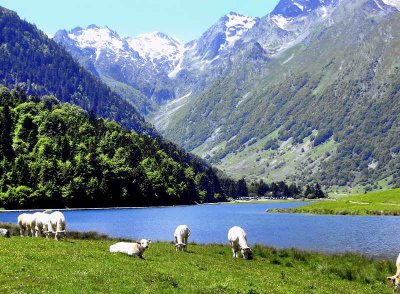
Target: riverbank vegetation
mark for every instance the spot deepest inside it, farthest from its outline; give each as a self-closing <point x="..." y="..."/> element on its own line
<point x="44" y="265"/>
<point x="375" y="203"/>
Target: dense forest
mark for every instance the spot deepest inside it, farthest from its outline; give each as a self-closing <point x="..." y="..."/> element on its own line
<point x="55" y="154"/>
<point x="30" y="59"/>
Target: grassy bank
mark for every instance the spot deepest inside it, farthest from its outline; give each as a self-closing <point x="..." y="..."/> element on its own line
<point x="376" y="203"/>
<point x="38" y="265"/>
<point x="263" y="201"/>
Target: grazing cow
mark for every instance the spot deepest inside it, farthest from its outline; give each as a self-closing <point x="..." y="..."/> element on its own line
<point x="41" y="223"/>
<point x="181" y="236"/>
<point x="396" y="278"/>
<point x="5" y="233"/>
<point x="238" y="240"/>
<point x="57" y="224"/>
<point x="132" y="249"/>
<point x="26" y="223"/>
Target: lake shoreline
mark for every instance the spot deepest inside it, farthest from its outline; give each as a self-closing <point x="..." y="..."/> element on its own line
<point x="261" y="201"/>
<point x="210" y="224"/>
<point x="381" y="203"/>
<point x="107" y="208"/>
<point x="98" y="236"/>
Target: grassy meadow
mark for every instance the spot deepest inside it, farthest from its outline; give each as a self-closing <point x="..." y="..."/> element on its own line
<point x="375" y="203"/>
<point x="39" y="265"/>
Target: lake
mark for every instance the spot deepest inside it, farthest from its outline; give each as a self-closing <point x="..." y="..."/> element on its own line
<point x="370" y="235"/>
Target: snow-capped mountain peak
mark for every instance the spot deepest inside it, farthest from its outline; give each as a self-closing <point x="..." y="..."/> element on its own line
<point x="94" y="37"/>
<point x="155" y="46"/>
<point x="236" y="25"/>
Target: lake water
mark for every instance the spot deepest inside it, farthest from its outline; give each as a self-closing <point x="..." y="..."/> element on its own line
<point x="371" y="235"/>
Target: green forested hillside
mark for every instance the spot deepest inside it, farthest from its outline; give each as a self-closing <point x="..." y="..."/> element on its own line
<point x="30" y="59"/>
<point x="55" y="154"/>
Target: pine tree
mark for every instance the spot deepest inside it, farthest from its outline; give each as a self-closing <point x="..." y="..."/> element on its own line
<point x="318" y="191"/>
<point x="242" y="188"/>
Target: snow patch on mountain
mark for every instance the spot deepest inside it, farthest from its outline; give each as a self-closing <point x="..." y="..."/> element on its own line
<point x="394" y="3"/>
<point x="236" y="26"/>
<point x="301" y="7"/>
<point x="156" y="46"/>
<point x="98" y="38"/>
<point x="280" y="21"/>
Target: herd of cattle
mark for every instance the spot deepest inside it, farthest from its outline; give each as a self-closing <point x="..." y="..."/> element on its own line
<point x="42" y="223"/>
<point x="236" y="236"/>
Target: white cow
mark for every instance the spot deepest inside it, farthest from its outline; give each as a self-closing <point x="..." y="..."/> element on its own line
<point x="238" y="240"/>
<point x="396" y="278"/>
<point x="26" y="223"/>
<point x="57" y="224"/>
<point x="181" y="235"/>
<point x="41" y="223"/>
<point x="131" y="249"/>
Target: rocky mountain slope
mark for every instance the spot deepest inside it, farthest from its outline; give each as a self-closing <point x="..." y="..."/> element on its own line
<point x="310" y="91"/>
<point x="137" y="68"/>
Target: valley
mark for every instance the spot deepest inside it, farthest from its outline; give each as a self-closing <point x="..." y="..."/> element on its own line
<point x="293" y="76"/>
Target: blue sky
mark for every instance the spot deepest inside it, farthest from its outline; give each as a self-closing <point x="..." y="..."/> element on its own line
<point x="184" y="19"/>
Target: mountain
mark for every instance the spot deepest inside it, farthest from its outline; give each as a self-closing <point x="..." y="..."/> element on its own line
<point x="136" y="68"/>
<point x="308" y="92"/>
<point x="143" y="69"/>
<point x="32" y="60"/>
<point x="317" y="111"/>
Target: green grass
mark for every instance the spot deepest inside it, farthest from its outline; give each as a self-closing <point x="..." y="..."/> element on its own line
<point x="38" y="265"/>
<point x="375" y="203"/>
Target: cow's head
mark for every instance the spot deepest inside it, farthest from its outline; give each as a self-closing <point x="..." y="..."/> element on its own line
<point x="144" y="243"/>
<point x="180" y="246"/>
<point x="246" y="252"/>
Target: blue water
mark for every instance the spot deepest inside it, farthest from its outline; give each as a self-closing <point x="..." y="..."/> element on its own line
<point x="370" y="235"/>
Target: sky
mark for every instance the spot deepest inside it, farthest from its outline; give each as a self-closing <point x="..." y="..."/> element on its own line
<point x="183" y="19"/>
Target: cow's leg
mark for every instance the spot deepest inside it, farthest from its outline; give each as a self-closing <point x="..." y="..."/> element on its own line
<point x="233" y="249"/>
